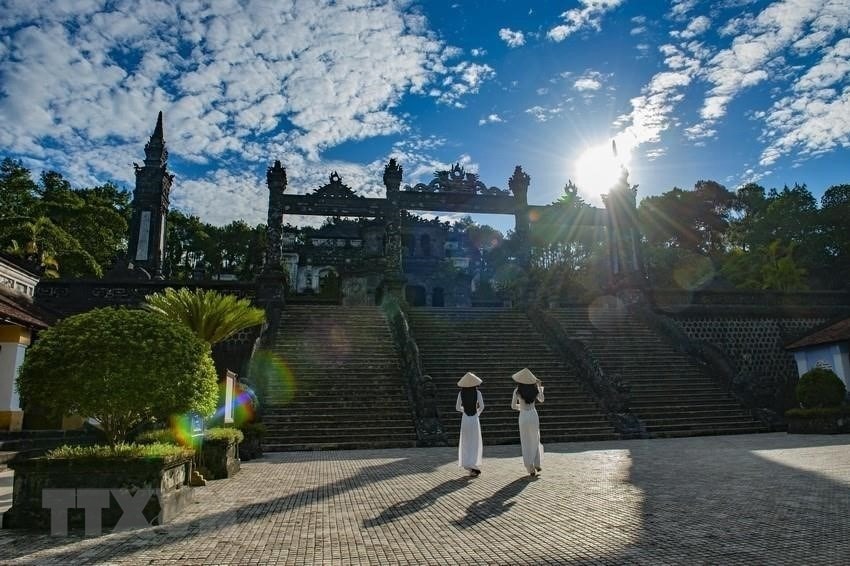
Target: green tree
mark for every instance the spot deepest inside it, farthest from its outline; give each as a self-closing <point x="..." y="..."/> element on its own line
<point x="55" y="227"/>
<point x="834" y="267"/>
<point x="696" y="221"/>
<point x="212" y="316"/>
<point x="780" y="272"/>
<point x="187" y="242"/>
<point x="122" y="367"/>
<point x="771" y="267"/>
<point x="18" y="196"/>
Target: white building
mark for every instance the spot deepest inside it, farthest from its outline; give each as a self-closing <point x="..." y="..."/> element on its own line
<point x="829" y="347"/>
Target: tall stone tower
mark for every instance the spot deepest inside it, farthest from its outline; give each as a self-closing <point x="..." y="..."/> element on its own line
<point x="625" y="260"/>
<point x="150" y="207"/>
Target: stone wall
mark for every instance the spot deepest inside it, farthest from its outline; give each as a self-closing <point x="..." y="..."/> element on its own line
<point x="69" y="297"/>
<point x="750" y="330"/>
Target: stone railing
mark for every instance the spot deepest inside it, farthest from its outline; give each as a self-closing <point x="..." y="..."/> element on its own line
<point x="612" y="394"/>
<point x="421" y="389"/>
<point x="720" y="367"/>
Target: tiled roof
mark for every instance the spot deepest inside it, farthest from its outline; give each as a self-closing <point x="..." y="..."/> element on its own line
<point x="838" y="332"/>
<point x="19" y="309"/>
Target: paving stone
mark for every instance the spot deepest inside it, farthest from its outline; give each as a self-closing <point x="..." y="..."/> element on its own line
<point x="750" y="499"/>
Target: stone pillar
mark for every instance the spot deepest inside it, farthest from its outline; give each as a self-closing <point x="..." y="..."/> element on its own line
<point x="271" y="283"/>
<point x="276" y="181"/>
<point x="518" y="183"/>
<point x="13" y="344"/>
<point x="393" y="270"/>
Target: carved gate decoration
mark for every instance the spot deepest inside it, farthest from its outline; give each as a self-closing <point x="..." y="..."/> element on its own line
<point x="450" y="191"/>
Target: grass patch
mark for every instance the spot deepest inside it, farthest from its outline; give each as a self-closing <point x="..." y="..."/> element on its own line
<point x="159" y="436"/>
<point x="104" y="453"/>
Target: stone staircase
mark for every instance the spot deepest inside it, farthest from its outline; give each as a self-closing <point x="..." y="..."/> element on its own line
<point x="337" y="382"/>
<point x="494" y="343"/>
<point x="670" y="392"/>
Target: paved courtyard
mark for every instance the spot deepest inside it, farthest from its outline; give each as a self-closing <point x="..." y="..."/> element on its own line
<point x="756" y="499"/>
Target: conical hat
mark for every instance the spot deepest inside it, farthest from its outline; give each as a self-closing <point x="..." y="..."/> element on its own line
<point x="469" y="380"/>
<point x="525" y="376"/>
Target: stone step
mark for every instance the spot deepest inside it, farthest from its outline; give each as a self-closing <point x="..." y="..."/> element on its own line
<point x="706" y="430"/>
<point x="341" y="430"/>
<point x="696" y="421"/>
<point x="650" y="406"/>
<point x="678" y="412"/>
<point x="546" y="437"/>
<point x="662" y="389"/>
<point x="335" y="418"/>
<point x="321" y="403"/>
<point x="329" y="445"/>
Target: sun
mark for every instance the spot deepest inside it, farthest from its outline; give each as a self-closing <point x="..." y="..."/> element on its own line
<point x="597" y="170"/>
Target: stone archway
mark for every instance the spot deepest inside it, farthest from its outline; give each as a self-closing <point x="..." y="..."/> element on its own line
<point x="415" y="295"/>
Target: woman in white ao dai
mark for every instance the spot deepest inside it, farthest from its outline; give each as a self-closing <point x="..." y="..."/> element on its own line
<point x="470" y="402"/>
<point x="528" y="392"/>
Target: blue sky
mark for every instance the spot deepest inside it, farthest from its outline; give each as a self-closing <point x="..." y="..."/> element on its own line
<point x="730" y="90"/>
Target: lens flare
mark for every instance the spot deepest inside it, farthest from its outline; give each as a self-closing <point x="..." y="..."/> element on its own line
<point x="274" y="378"/>
<point x="181" y="427"/>
<point x="606" y="313"/>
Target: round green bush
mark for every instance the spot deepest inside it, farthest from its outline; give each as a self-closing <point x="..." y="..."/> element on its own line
<point x="820" y="387"/>
<point x="121" y="367"/>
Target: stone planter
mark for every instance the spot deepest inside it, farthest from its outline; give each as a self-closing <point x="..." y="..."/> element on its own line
<point x="825" y="424"/>
<point x="219" y="459"/>
<point x="251" y="447"/>
<point x="169" y="481"/>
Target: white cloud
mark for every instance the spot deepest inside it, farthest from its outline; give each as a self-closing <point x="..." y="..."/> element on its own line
<point x="86" y="78"/>
<point x="512" y="38"/>
<point x="544" y="114"/>
<point x="590" y="81"/>
<point x="816" y="117"/>
<point x="588" y="15"/>
<point x="490" y="119"/>
<point x="682" y="7"/>
<point x="465" y="78"/>
<point x="764" y="46"/>
<point x="697" y="26"/>
<point x="797" y="24"/>
<point x="478" y="52"/>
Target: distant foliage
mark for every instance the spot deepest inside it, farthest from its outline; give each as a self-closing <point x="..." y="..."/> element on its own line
<point x="820" y="387"/>
<point x="122" y="367"/>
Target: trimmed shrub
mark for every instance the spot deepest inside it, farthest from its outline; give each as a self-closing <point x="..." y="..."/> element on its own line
<point x="820" y="412"/>
<point x="820" y="387"/>
<point x="122" y="367"/>
<point x="223" y="435"/>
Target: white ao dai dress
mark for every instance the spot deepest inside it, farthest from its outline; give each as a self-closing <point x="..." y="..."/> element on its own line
<point x="529" y="431"/>
<point x="470" y="449"/>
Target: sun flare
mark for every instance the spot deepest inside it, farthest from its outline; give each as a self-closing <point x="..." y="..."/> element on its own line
<point x="598" y="169"/>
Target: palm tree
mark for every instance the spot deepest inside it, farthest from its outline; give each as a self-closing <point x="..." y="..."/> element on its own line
<point x="211" y="315"/>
